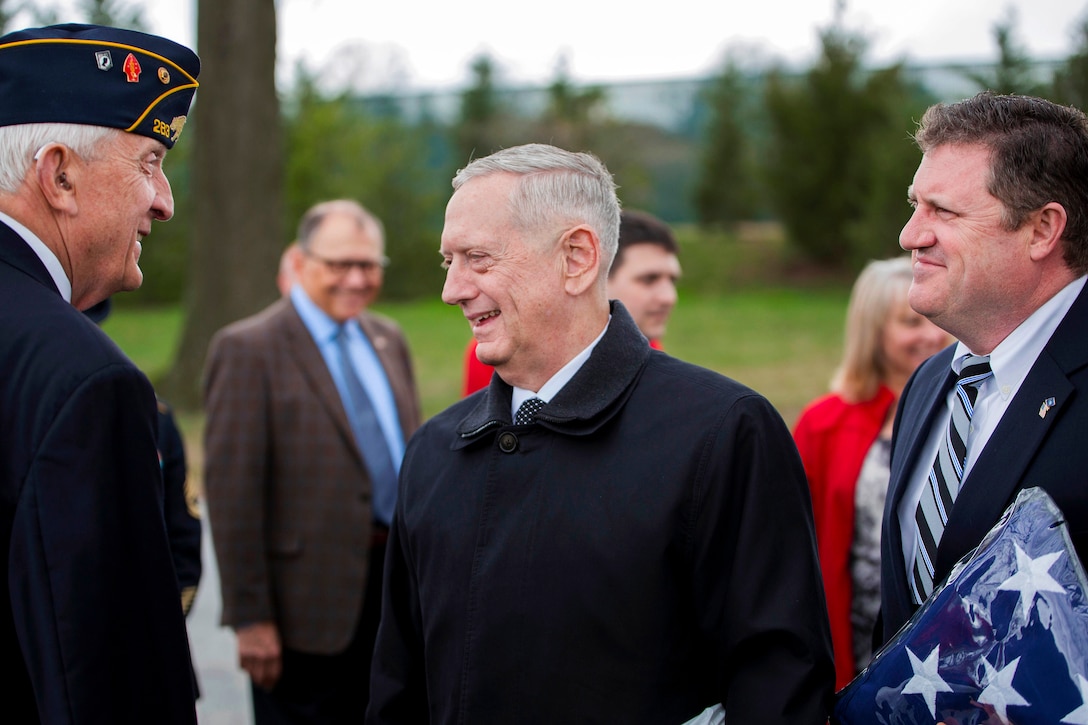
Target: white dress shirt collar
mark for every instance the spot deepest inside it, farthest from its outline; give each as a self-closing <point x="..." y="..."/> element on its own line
<point x="1012" y="359"/>
<point x="549" y="389"/>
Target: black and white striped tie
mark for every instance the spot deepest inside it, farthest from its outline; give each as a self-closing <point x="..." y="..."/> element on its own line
<point x="946" y="475"/>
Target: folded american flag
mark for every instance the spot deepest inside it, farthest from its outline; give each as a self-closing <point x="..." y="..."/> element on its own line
<point x="1005" y="640"/>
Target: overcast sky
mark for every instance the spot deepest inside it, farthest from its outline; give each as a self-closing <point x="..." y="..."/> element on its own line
<point x="426" y="45"/>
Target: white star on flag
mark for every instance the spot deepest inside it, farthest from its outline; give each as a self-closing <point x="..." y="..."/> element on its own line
<point x="1080" y="715"/>
<point x="993" y="664"/>
<point x="999" y="691"/>
<point x="1032" y="576"/>
<point x="926" y="681"/>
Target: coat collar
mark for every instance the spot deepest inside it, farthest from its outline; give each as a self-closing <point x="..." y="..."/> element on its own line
<point x="591" y="398"/>
<point x="16" y="252"/>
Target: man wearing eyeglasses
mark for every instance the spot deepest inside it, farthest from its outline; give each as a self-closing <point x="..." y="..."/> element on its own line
<point x="309" y="404"/>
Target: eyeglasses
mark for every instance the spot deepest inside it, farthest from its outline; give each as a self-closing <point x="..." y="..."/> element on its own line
<point x="341" y="267"/>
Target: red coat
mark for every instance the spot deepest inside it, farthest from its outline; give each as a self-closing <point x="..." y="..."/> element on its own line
<point x="477" y="374"/>
<point x="833" y="437"/>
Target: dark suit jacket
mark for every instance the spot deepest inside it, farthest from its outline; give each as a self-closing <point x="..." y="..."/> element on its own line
<point x="287" y="491"/>
<point x="1027" y="449"/>
<point x="91" y="628"/>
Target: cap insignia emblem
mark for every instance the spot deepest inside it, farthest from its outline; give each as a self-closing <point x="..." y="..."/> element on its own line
<point x="164" y="75"/>
<point x="132" y="69"/>
<point x="103" y="59"/>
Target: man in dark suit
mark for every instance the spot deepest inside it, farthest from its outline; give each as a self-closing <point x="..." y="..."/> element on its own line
<point x="605" y="534"/>
<point x="300" y="492"/>
<point x="999" y="238"/>
<point x="91" y="627"/>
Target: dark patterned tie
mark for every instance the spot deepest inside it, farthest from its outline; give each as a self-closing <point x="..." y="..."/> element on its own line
<point x="946" y="475"/>
<point x="527" y="411"/>
<point x="368" y="434"/>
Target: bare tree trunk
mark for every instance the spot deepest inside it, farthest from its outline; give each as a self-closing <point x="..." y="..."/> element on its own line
<point x="237" y="182"/>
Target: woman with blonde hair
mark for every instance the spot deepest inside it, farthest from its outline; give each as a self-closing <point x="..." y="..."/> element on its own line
<point x="845" y="442"/>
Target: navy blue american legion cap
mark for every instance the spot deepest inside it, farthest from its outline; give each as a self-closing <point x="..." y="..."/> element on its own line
<point x="97" y="76"/>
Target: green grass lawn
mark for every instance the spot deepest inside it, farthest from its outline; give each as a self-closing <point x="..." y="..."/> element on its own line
<point x="782" y="342"/>
<point x="785" y="343"/>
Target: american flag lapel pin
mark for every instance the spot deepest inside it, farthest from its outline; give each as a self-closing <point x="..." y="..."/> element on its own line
<point x="1046" y="406"/>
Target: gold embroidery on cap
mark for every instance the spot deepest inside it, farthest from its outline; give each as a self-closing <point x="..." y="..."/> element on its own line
<point x="176" y="125"/>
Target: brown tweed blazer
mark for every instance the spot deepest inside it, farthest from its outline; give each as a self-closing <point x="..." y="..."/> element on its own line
<point x="288" y="495"/>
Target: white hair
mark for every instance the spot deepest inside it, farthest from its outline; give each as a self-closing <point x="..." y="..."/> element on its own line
<point x="19" y="144"/>
<point x="556" y="187"/>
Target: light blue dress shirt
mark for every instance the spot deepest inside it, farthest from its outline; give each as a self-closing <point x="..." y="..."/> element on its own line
<point x="368" y="368"/>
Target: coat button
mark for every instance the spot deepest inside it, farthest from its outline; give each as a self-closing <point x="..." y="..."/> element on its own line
<point x="508" y="442"/>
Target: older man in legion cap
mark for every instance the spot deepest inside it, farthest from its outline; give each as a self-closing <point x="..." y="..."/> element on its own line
<point x="91" y="627"/>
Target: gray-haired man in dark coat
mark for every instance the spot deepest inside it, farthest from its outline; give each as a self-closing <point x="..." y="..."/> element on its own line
<point x="605" y="534"/>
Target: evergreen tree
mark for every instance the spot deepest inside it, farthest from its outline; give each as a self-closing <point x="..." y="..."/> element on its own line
<point x="727" y="188"/>
<point x="336" y="147"/>
<point x="477" y="130"/>
<point x="572" y="113"/>
<point x="118" y="13"/>
<point x="1071" y="80"/>
<point x="1013" y="72"/>
<point x="840" y="152"/>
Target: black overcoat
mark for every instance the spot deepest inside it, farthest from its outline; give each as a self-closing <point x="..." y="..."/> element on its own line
<point x="644" y="551"/>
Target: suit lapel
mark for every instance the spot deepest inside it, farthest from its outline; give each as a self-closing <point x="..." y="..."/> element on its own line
<point x="924" y="398"/>
<point x="393" y="365"/>
<point x="998" y="473"/>
<point x="932" y="385"/>
<point x="1000" y="469"/>
<point x="317" y="376"/>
